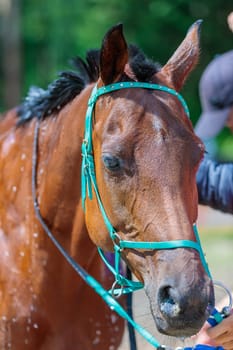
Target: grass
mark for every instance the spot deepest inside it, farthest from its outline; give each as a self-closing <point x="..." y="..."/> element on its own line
<point x="218" y="245"/>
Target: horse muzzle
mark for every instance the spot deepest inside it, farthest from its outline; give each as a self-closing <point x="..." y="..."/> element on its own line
<point x="183" y="314"/>
<point x="181" y="301"/>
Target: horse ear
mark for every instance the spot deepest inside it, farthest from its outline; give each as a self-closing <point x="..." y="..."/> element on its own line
<point x="184" y="59"/>
<point x="113" y="55"/>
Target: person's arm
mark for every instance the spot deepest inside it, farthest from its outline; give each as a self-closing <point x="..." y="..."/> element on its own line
<point x="215" y="185"/>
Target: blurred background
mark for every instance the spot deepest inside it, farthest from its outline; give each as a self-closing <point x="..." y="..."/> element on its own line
<point x="39" y="37"/>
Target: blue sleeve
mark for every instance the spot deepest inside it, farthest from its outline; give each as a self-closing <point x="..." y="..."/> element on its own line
<point x="215" y="185"/>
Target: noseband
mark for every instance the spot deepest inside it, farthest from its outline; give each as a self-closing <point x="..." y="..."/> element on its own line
<point x="89" y="181"/>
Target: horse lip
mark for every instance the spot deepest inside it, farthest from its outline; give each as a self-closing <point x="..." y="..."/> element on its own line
<point x="179" y="329"/>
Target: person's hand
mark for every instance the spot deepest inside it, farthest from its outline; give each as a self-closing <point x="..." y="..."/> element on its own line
<point x="220" y="335"/>
<point x="230" y="21"/>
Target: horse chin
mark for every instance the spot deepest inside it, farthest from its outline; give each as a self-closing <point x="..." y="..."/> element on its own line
<point x="177" y="328"/>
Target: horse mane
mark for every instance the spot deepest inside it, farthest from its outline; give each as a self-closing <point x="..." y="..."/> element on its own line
<point x="40" y="103"/>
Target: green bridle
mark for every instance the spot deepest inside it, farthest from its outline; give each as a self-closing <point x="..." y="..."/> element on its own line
<point x="88" y="177"/>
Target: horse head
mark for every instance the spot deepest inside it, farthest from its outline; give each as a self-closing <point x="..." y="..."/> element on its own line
<point x="145" y="157"/>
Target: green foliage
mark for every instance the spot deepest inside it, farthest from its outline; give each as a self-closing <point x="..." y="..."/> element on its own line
<point x="57" y="30"/>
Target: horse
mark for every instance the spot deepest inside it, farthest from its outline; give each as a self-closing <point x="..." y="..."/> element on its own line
<point x="145" y="157"/>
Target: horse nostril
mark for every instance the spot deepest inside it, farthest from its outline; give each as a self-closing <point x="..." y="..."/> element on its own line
<point x="168" y="304"/>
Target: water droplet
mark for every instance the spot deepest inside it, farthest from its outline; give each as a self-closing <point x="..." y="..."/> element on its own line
<point x="22" y="169"/>
<point x="35" y="234"/>
<point x="14" y="188"/>
<point x="96" y="341"/>
<point x="35" y="326"/>
<point x="22" y="253"/>
<point x="4" y="318"/>
<point x="23" y="156"/>
<point x="113" y="318"/>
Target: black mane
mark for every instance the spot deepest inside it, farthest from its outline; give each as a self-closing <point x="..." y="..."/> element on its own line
<point x="41" y="103"/>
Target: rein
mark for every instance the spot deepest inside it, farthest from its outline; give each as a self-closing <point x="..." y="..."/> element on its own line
<point x="89" y="181"/>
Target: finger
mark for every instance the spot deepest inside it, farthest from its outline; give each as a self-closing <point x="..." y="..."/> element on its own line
<point x="224" y="338"/>
<point x="221" y="328"/>
<point x="228" y="345"/>
<point x="203" y="338"/>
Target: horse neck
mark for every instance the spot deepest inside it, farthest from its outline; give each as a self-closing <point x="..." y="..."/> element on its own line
<point x="59" y="171"/>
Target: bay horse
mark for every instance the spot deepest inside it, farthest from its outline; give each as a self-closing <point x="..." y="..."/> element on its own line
<point x="145" y="158"/>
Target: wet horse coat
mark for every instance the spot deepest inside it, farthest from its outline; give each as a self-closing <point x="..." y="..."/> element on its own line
<point x="146" y="156"/>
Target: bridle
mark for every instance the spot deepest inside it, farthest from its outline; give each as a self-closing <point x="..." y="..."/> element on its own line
<point x="88" y="182"/>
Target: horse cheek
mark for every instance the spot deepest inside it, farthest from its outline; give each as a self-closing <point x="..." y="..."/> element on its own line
<point x="95" y="225"/>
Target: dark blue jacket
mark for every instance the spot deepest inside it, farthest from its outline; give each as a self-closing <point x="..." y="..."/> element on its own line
<point x="215" y="185"/>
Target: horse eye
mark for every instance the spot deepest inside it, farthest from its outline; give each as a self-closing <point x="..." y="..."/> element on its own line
<point x="112" y="163"/>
